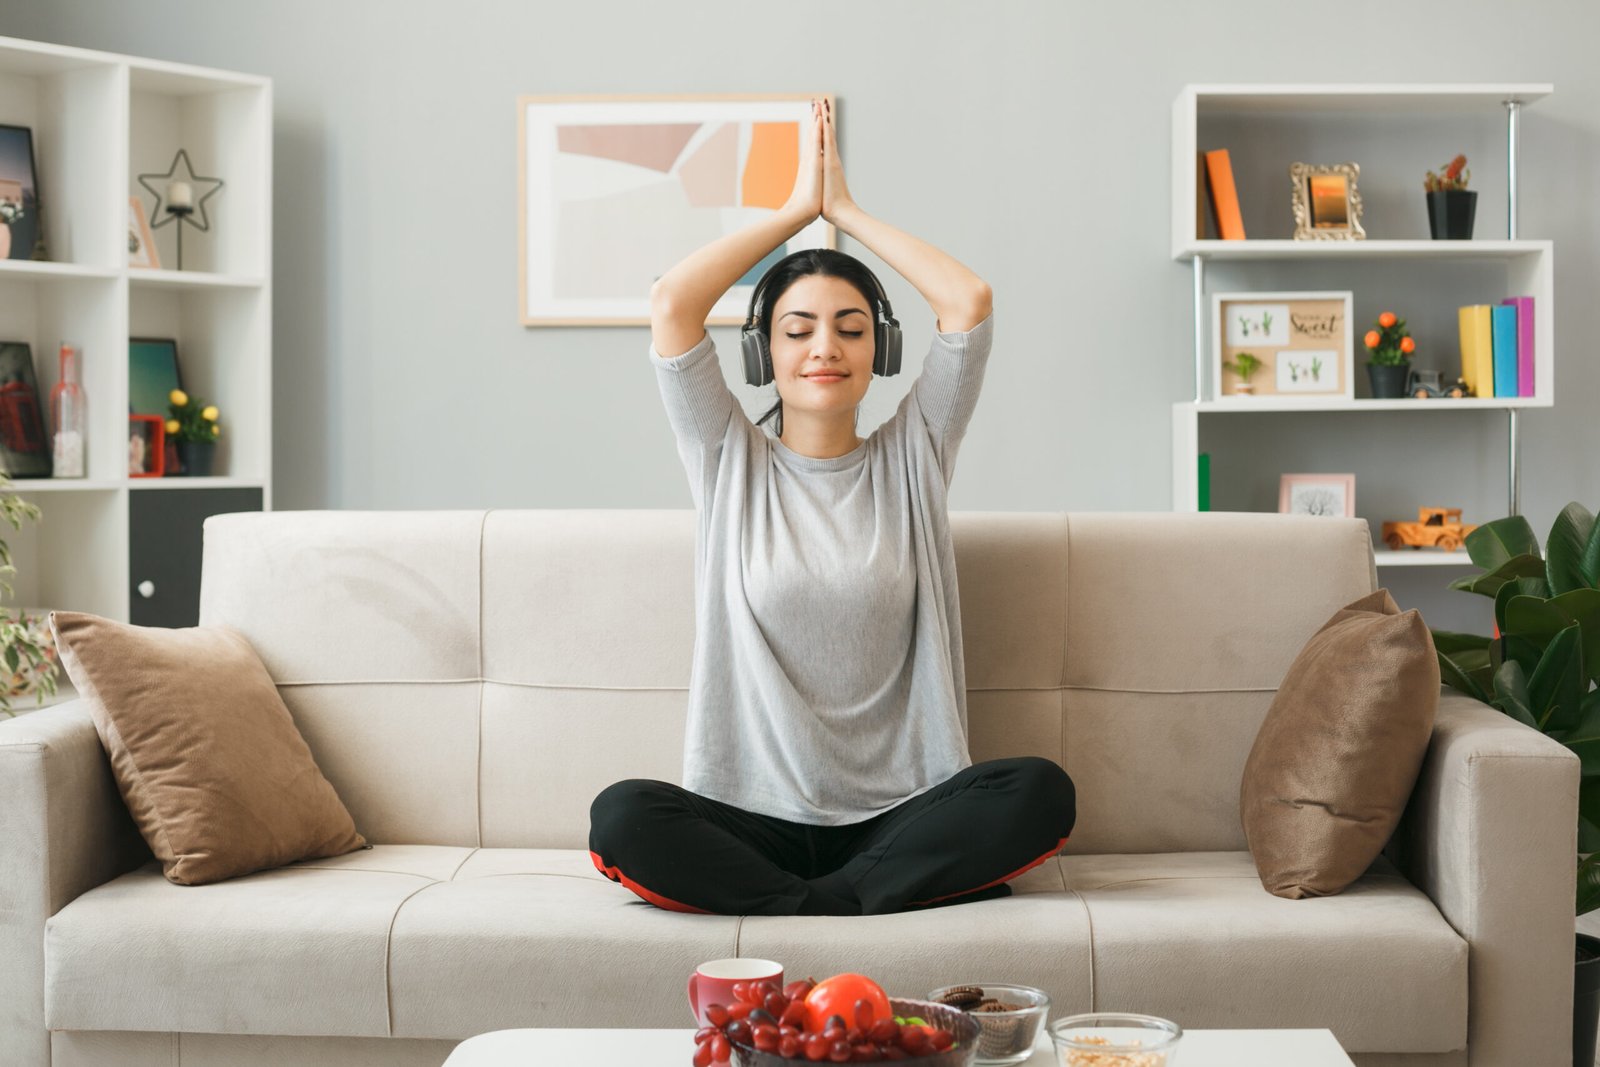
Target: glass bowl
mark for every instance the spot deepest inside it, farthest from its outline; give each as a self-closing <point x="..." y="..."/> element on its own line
<point x="1115" y="1039"/>
<point x="957" y="1022"/>
<point x="1005" y="1037"/>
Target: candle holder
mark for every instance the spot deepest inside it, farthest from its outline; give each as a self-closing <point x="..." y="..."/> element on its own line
<point x="175" y="200"/>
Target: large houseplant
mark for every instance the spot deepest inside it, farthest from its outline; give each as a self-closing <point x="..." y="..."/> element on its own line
<point x="30" y="655"/>
<point x="1542" y="669"/>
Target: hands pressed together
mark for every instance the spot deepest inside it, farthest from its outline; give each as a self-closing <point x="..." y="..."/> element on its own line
<point x="819" y="187"/>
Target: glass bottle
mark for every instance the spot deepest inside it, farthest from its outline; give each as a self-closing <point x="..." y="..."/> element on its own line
<point x="67" y="416"/>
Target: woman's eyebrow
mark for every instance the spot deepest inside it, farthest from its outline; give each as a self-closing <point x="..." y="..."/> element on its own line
<point x="811" y="315"/>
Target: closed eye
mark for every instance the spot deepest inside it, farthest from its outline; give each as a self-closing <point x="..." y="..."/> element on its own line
<point x="845" y="333"/>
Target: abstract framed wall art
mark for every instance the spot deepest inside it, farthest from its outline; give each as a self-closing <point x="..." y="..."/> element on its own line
<point x="613" y="190"/>
<point x="1287" y="346"/>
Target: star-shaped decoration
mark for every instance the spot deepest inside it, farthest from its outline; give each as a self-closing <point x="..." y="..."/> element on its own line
<point x="159" y="217"/>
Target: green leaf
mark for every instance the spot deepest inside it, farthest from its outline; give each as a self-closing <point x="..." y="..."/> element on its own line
<point x="1532" y="588"/>
<point x="1589" y="812"/>
<point x="1584" y="740"/>
<point x="1589" y="562"/>
<point x="1451" y="641"/>
<point x="1489" y="584"/>
<point x="1511" y="693"/>
<point x="1589" y="884"/>
<point x="1456" y="678"/>
<point x="1556" y="689"/>
<point x="1564" y="554"/>
<point x="1525" y="651"/>
<point x="1495" y="542"/>
<point x="1541" y="620"/>
<point x="1588" y="832"/>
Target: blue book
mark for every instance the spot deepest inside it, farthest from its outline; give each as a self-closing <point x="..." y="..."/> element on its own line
<point x="1505" y="349"/>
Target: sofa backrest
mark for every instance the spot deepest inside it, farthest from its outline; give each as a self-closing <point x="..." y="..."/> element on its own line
<point x="476" y="677"/>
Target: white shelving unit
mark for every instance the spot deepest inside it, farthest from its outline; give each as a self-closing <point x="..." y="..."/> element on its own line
<point x="1524" y="267"/>
<point x="98" y="120"/>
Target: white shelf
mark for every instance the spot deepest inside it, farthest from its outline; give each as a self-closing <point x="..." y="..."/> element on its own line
<point x="1421" y="557"/>
<point x="1258" y="405"/>
<point x="99" y="120"/>
<point x="1313" y="250"/>
<point x="1488" y="268"/>
<point x="45" y="271"/>
<point x="192" y="279"/>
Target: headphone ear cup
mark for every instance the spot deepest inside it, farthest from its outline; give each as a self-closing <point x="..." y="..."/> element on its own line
<point x="757" y="357"/>
<point x="887" y="359"/>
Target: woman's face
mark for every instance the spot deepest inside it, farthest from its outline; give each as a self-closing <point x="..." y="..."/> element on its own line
<point x="822" y="345"/>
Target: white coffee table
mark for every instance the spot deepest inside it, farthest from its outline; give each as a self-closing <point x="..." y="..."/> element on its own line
<point x="1200" y="1048"/>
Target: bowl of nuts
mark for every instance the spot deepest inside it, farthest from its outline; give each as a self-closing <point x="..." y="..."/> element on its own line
<point x="1009" y="1018"/>
<point x="1115" y="1039"/>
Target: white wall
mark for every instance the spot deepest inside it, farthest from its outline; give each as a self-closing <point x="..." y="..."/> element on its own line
<point x="1030" y="140"/>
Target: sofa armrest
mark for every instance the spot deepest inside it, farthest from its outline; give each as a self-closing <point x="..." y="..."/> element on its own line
<point x="1491" y="835"/>
<point x="63" y="830"/>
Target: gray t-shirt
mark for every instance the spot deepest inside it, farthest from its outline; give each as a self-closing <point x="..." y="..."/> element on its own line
<point x="828" y="683"/>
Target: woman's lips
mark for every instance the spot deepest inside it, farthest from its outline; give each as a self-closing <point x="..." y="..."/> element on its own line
<point x="826" y="377"/>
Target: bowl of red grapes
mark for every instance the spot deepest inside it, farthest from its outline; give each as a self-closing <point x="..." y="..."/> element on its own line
<point x="844" y="1019"/>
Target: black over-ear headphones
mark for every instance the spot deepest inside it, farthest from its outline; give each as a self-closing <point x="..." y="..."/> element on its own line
<point x="758" y="353"/>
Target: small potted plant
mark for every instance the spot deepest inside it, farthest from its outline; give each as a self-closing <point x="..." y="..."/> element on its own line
<point x="1245" y="365"/>
<point x="1390" y="366"/>
<point x="1450" y="203"/>
<point x="193" y="425"/>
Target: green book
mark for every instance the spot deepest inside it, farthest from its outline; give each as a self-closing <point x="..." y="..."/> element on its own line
<point x="1205" y="481"/>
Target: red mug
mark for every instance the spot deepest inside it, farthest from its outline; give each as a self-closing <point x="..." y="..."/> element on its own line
<point x="712" y="982"/>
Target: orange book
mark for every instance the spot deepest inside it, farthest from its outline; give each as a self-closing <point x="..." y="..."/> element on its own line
<point x="1224" y="197"/>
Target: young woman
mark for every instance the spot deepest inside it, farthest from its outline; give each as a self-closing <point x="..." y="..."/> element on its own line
<point x="826" y="769"/>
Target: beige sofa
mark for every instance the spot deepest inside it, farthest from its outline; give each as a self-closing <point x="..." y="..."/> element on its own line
<point x="470" y="680"/>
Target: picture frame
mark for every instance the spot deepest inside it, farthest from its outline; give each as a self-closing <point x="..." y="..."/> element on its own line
<point x="154" y="371"/>
<point x="1305" y="342"/>
<point x="24" y="445"/>
<point x="147" y="446"/>
<point x="141" y="240"/>
<point x="1326" y="202"/>
<point x="1317" y="494"/>
<point x="21" y="224"/>
<point x="613" y="190"/>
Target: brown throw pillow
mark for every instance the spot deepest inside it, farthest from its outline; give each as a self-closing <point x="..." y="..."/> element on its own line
<point x="1340" y="749"/>
<point x="208" y="759"/>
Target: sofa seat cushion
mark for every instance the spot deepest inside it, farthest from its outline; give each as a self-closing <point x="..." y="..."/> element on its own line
<point x="396" y="940"/>
<point x="1376" y="964"/>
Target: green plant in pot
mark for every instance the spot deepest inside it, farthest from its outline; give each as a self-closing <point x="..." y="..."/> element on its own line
<point x="1451" y="205"/>
<point x="1542" y="670"/>
<point x="1244" y="365"/>
<point x="25" y="640"/>
<point x="1391" y="345"/>
<point x="193" y="424"/>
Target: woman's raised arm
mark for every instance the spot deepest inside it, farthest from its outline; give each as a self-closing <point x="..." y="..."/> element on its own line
<point x="682" y="298"/>
<point x="959" y="297"/>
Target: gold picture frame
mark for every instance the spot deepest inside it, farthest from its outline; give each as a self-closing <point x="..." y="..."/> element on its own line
<point x="1327" y="203"/>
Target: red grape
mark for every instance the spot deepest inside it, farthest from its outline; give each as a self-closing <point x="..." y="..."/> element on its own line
<point x="739" y="1010"/>
<point x="941" y="1039"/>
<point x="865" y="1054"/>
<point x="885" y="1031"/>
<point x="839" y="1051"/>
<point x="789" y="1046"/>
<point x="738" y="1032"/>
<point x="817" y="1047"/>
<point x="702" y="1055"/>
<point x="798" y="989"/>
<point x="741" y="991"/>
<point x="720" y="1049"/>
<point x="717" y="1014"/>
<point x="775" y="1003"/>
<point x="864" y="1013"/>
<point x="795" y="1014"/>
<point x="702" y="1035"/>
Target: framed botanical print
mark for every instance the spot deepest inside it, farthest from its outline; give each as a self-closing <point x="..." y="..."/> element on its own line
<point x="612" y="191"/>
<point x="1327" y="205"/>
<point x="1331" y="495"/>
<point x="1287" y="346"/>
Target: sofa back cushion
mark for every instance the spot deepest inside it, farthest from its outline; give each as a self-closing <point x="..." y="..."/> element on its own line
<point x="469" y="677"/>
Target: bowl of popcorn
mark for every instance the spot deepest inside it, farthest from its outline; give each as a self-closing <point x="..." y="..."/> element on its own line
<point x="1009" y="1018"/>
<point x="1115" y="1039"/>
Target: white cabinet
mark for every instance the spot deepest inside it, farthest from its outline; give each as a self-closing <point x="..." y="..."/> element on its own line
<point x="1403" y="128"/>
<point x="99" y="120"/>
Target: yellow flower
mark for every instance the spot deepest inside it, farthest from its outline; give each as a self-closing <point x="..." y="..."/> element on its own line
<point x="172" y="425"/>
<point x="210" y="413"/>
<point x="216" y="428"/>
<point x="178" y="397"/>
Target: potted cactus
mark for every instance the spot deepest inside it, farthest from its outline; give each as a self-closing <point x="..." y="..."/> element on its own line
<point x="1451" y="204"/>
<point x="1245" y="365"/>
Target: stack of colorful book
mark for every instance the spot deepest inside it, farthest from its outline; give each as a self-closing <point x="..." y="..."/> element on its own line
<point x="1497" y="347"/>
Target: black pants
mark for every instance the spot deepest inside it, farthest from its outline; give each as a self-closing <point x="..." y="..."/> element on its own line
<point x="958" y="841"/>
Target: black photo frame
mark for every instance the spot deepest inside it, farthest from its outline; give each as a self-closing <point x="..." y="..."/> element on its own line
<point x="23" y="236"/>
<point x="24" y="445"/>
